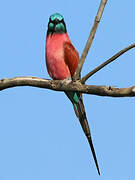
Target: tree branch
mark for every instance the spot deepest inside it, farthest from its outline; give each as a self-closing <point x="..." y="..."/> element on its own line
<point x="67" y="85"/>
<point x="90" y="39"/>
<point x="107" y="62"/>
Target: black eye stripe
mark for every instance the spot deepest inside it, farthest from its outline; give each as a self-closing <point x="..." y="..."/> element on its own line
<point x="55" y="21"/>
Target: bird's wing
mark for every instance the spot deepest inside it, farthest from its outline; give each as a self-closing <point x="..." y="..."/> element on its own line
<point x="71" y="57"/>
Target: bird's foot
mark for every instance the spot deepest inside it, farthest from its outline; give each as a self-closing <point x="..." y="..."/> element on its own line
<point x="65" y="81"/>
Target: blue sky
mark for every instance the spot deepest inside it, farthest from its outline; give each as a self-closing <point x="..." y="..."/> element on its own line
<point x="40" y="136"/>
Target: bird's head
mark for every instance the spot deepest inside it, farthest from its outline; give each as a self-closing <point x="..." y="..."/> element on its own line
<point x="56" y="24"/>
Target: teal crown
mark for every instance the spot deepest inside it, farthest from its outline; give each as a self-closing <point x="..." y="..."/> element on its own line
<point x="56" y="24"/>
<point x="56" y="16"/>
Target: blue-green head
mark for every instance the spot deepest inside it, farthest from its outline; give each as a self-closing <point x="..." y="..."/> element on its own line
<point x="56" y="24"/>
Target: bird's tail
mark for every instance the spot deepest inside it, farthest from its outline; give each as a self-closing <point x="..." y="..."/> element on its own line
<point x="76" y="99"/>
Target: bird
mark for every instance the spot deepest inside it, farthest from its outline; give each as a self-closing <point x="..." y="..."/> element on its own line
<point x="61" y="60"/>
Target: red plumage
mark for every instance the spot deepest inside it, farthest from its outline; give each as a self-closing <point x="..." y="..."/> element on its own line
<point x="71" y="57"/>
<point x="61" y="57"/>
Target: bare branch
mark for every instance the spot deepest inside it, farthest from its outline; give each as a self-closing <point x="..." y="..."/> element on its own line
<point x="67" y="85"/>
<point x="90" y="39"/>
<point x="107" y="62"/>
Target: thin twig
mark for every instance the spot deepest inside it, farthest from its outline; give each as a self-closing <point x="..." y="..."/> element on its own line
<point x="67" y="85"/>
<point x="90" y="39"/>
<point x="107" y="62"/>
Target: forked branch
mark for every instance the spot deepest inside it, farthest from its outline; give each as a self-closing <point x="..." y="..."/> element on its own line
<point x="84" y="79"/>
<point x="67" y="85"/>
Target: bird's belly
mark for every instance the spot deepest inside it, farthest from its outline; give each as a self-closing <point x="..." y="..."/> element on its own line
<point x="57" y="68"/>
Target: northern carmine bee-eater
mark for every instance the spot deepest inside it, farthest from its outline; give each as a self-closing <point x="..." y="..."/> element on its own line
<point x="62" y="60"/>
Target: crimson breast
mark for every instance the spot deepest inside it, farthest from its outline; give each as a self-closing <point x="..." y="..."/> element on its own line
<point x="56" y="65"/>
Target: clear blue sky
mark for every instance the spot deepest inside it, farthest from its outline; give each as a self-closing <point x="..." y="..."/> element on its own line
<point x="40" y="136"/>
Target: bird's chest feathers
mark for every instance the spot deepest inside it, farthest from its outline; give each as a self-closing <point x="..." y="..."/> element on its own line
<point x="56" y="65"/>
<point x="54" y="47"/>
